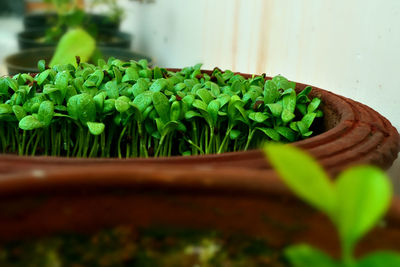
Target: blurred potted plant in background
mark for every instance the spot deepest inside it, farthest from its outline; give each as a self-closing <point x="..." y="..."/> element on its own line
<point x="45" y="30"/>
<point x="69" y="28"/>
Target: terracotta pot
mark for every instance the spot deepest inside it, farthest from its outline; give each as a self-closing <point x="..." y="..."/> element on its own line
<point x="351" y="133"/>
<point x="230" y="200"/>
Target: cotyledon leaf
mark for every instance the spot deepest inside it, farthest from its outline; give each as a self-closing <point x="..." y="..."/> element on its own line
<point x="76" y="42"/>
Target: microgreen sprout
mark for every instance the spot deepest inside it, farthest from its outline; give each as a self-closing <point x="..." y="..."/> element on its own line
<point x="126" y="109"/>
<point x="355" y="202"/>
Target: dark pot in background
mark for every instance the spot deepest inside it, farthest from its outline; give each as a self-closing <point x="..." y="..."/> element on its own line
<point x="106" y="38"/>
<point x="47" y="20"/>
<point x="26" y="61"/>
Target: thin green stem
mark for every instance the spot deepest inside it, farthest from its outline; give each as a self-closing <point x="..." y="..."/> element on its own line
<point x="120" y="139"/>
<point x="221" y="147"/>
<point x="93" y="151"/>
<point x="249" y="137"/>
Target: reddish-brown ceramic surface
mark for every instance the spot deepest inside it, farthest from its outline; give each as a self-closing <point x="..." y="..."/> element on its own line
<point x="231" y="200"/>
<point x="353" y="134"/>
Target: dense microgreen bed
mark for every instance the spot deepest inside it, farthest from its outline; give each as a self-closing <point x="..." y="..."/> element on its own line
<point x="126" y="109"/>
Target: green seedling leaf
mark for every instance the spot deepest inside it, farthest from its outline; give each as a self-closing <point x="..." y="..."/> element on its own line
<point x="223" y="99"/>
<point x="50" y="88"/>
<point x="276" y="109"/>
<point x="234" y="134"/>
<point x="139" y="87"/>
<point x="147" y="111"/>
<point x="190" y="83"/>
<point x="306" y="256"/>
<point x="131" y="74"/>
<point x="212" y="109"/>
<point x="143" y="100"/>
<point x="46" y="112"/>
<point x="305" y="177"/>
<point x="283" y="83"/>
<point x="61" y="81"/>
<point x="380" y="259"/>
<point x="169" y="127"/>
<point x="13" y="84"/>
<point x="308" y="119"/>
<point x="112" y="89"/>
<point x="41" y="65"/>
<point x="5" y="109"/>
<point x="19" y="112"/>
<point x="200" y="105"/>
<point x="161" y="104"/>
<point x="122" y="104"/>
<point x="286" y="132"/>
<point x="96" y="128"/>
<point x="30" y="123"/>
<point x="287" y="115"/>
<point x="159" y="85"/>
<point x="41" y="78"/>
<point x="94" y="79"/>
<point x="175" y="111"/>
<point x="302" y="127"/>
<point x="214" y="88"/>
<point x="60" y="108"/>
<point x="271" y="133"/>
<point x="82" y="107"/>
<point x="189" y="99"/>
<point x="76" y="42"/>
<point x="109" y="106"/>
<point x="157" y="73"/>
<point x="302" y="108"/>
<point x="99" y="101"/>
<point x="302" y="96"/>
<point x="289" y="101"/>
<point x="73" y="107"/>
<point x="192" y="114"/>
<point x="271" y="93"/>
<point x="180" y="86"/>
<point x="363" y="196"/>
<point x="136" y="112"/>
<point x="3" y="87"/>
<point x="313" y="105"/>
<point x="258" y="117"/>
<point x="205" y="95"/>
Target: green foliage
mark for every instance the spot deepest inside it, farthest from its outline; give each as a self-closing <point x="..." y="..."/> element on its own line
<point x="363" y="196"/>
<point x="76" y="42"/>
<point x="304" y="255"/>
<point x="70" y="15"/>
<point x="127" y="109"/>
<point x="355" y="203"/>
<point x="305" y="177"/>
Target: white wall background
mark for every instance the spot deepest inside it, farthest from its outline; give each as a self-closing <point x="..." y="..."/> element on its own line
<point x="350" y="47"/>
